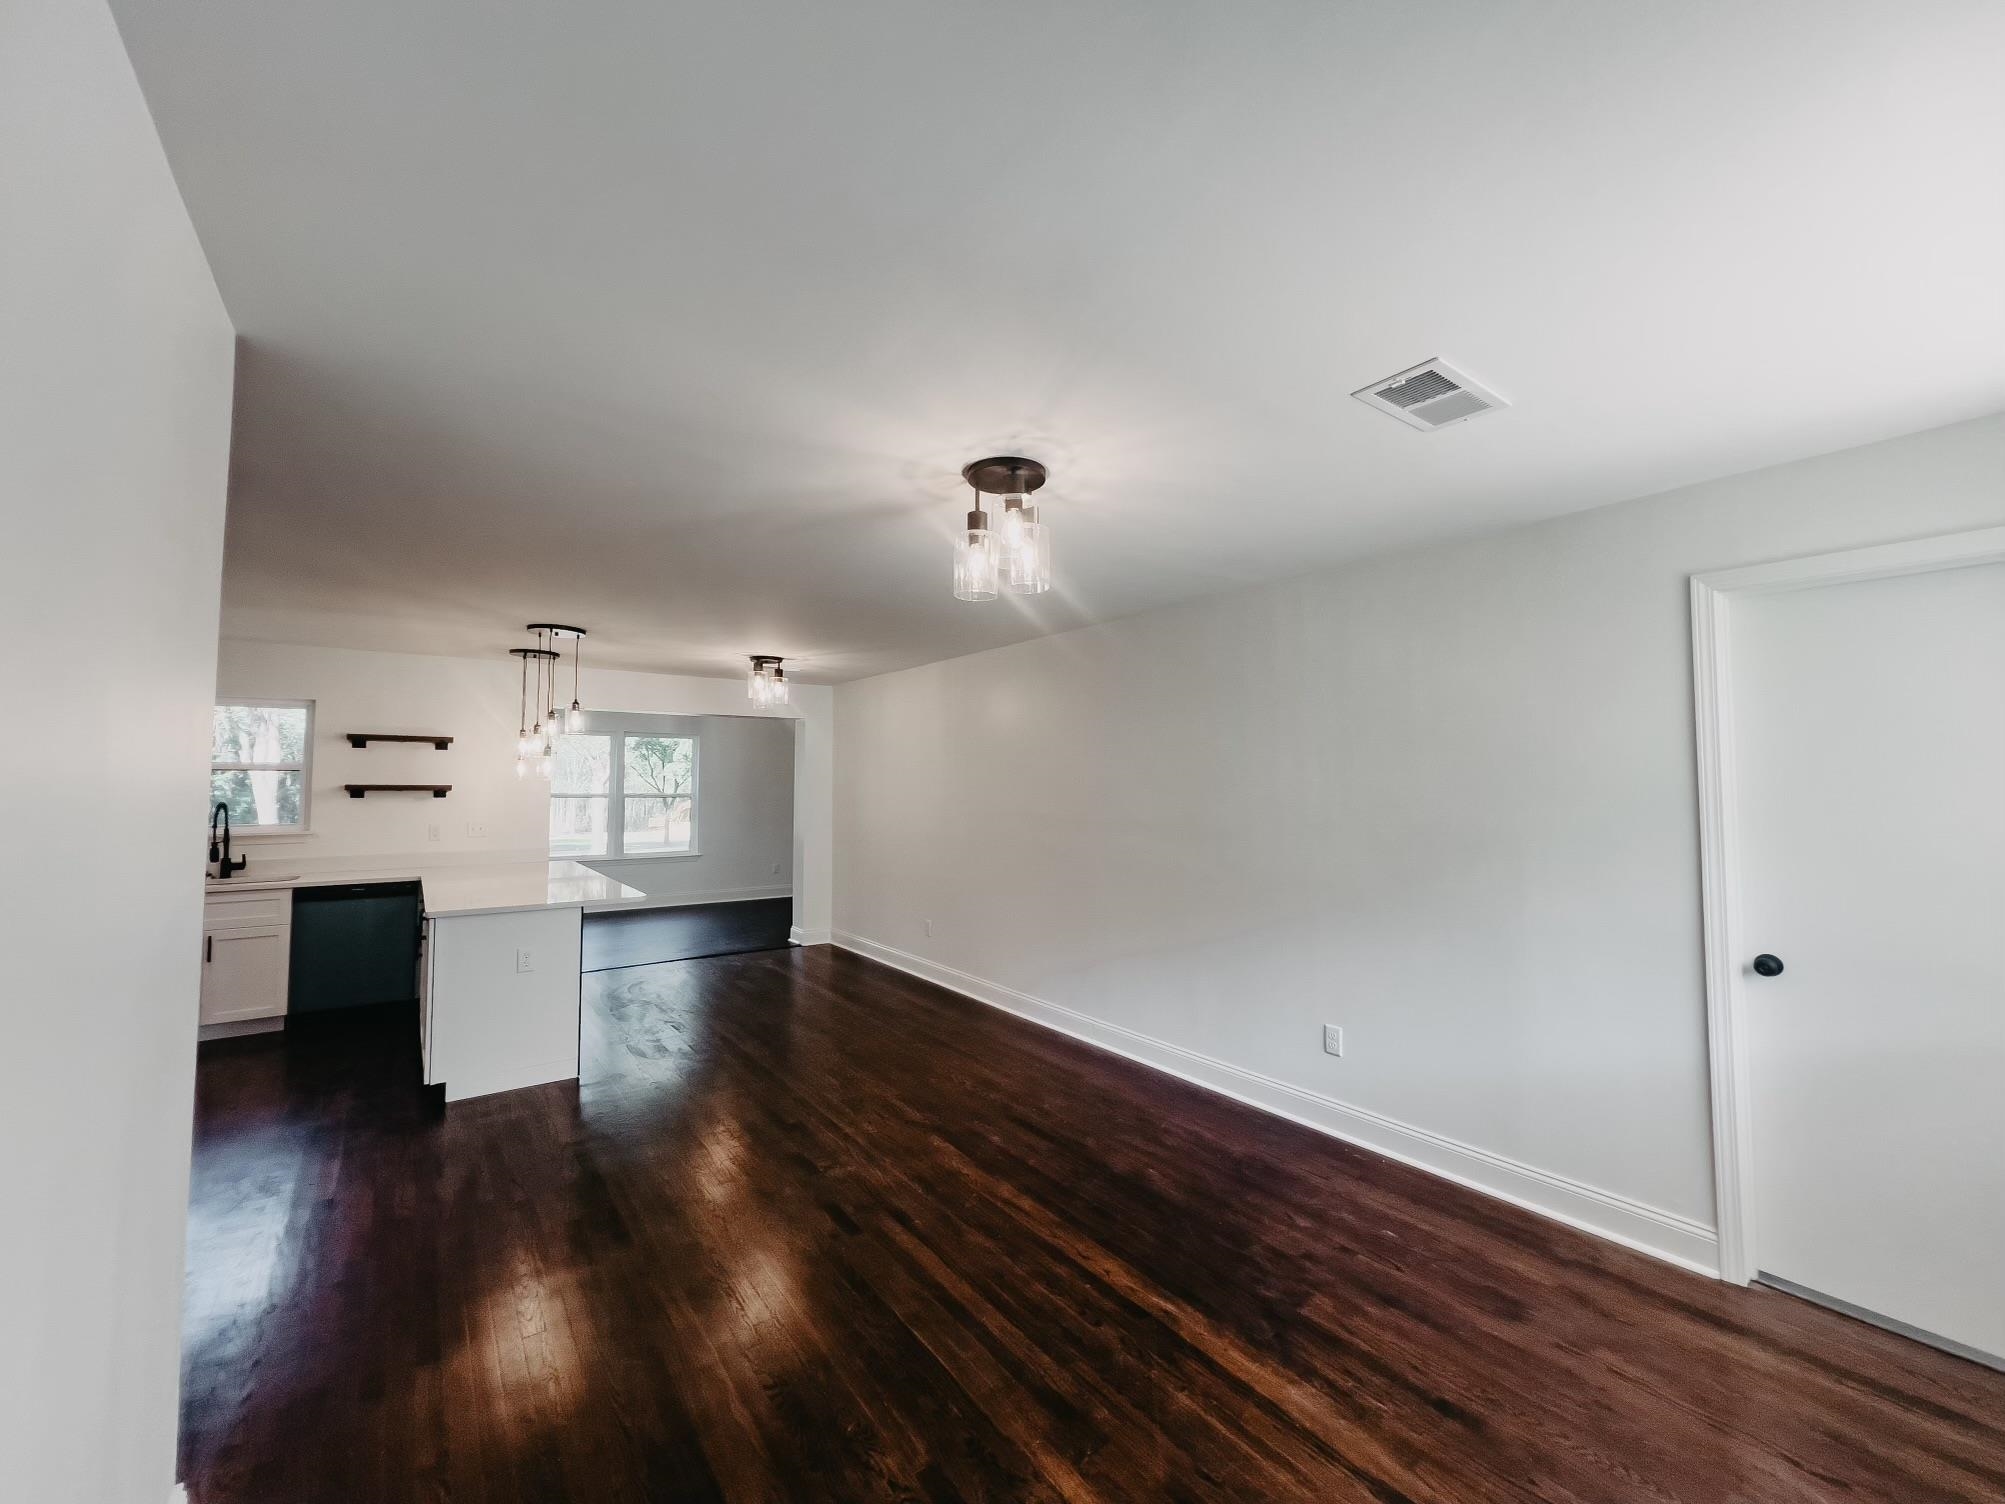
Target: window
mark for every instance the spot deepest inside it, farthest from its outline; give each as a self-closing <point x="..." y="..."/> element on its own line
<point x="651" y="782"/>
<point x="260" y="759"/>
<point x="581" y="789"/>
<point x="659" y="794"/>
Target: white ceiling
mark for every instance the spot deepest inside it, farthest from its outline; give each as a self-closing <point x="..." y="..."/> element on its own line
<point x="678" y="320"/>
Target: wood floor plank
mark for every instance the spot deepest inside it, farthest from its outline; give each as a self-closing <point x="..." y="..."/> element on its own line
<point x="810" y="1229"/>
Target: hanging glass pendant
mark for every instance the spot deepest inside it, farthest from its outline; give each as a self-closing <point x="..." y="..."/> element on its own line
<point x="1025" y="565"/>
<point x="975" y="560"/>
<point x="554" y="719"/>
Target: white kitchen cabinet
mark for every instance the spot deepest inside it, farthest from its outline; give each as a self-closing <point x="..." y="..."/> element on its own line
<point x="246" y="955"/>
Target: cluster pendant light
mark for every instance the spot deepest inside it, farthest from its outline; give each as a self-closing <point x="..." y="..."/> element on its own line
<point x="539" y="718"/>
<point x="766" y="686"/>
<point x="1015" y="557"/>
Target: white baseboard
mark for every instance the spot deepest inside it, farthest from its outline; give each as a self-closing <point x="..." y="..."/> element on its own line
<point x="1647" y="1229"/>
<point x="799" y="936"/>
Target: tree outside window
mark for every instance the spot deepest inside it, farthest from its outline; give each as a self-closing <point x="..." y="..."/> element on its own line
<point x="651" y="783"/>
<point x="260" y="755"/>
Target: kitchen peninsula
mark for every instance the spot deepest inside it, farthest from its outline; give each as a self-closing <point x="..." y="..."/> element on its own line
<point x="497" y="962"/>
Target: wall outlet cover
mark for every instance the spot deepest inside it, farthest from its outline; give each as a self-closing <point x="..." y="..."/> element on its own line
<point x="525" y="960"/>
<point x="1333" y="1039"/>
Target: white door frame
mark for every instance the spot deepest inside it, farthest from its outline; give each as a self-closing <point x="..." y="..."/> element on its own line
<point x="1713" y="595"/>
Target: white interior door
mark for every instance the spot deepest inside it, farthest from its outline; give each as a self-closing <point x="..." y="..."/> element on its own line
<point x="1870" y="747"/>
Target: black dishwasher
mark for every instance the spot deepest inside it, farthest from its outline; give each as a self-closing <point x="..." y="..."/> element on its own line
<point x="354" y="944"/>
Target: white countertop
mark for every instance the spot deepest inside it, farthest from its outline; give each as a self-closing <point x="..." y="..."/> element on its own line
<point x="493" y="889"/>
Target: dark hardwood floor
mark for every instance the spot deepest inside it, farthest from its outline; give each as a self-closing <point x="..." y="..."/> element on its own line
<point x="642" y="937"/>
<point x="811" y="1230"/>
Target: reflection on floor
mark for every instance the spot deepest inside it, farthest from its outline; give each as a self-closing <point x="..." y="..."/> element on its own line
<point x="641" y="937"/>
<point x="810" y="1229"/>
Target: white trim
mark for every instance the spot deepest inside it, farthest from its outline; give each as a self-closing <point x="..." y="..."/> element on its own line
<point x="1719" y="853"/>
<point x="1646" y="1229"/>
<point x="798" y="936"/>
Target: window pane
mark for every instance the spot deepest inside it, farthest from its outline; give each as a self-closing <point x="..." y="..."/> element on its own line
<point x="257" y="798"/>
<point x="657" y="825"/>
<point x="664" y="765"/>
<point x="578" y="826"/>
<point x="259" y="733"/>
<point x="584" y="765"/>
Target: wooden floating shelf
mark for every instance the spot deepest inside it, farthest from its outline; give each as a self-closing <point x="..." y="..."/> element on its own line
<point x="363" y="738"/>
<point x="436" y="790"/>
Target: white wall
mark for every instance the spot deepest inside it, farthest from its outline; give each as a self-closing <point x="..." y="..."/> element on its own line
<point x="115" y="375"/>
<point x="1444" y="799"/>
<point x="744" y="810"/>
<point x="491" y="815"/>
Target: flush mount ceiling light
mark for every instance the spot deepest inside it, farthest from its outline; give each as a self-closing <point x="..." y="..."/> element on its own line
<point x="766" y="686"/>
<point x="1016" y="556"/>
<point x="538" y="719"/>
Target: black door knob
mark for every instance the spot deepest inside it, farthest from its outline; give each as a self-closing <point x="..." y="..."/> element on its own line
<point x="1766" y="965"/>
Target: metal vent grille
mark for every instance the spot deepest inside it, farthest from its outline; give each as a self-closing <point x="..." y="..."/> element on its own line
<point x="1431" y="395"/>
<point x="1418" y="389"/>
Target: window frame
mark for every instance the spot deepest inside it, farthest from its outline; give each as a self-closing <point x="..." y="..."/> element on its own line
<point x="303" y="767"/>
<point x="695" y="847"/>
<point x="551" y="796"/>
<point x="616" y="797"/>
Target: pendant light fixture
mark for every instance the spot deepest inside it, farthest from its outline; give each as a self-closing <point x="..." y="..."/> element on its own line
<point x="554" y="634"/>
<point x="766" y="685"/>
<point x="1016" y="557"/>
<point x="538" y="719"/>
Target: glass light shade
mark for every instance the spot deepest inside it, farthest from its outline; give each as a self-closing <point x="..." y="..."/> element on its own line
<point x="776" y="688"/>
<point x="1025" y="565"/>
<point x="1016" y="511"/>
<point x="523" y="745"/>
<point x="546" y="765"/>
<point x="574" y="720"/>
<point x="521" y="765"/>
<point x="759" y="685"/>
<point x="975" y="565"/>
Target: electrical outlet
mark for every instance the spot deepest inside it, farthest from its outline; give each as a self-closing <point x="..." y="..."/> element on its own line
<point x="776" y="869"/>
<point x="525" y="960"/>
<point x="1333" y="1040"/>
<point x="929" y="929"/>
<point x="432" y="831"/>
<point x="476" y="831"/>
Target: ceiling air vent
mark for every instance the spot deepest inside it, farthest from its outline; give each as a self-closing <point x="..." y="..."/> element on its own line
<point x="1432" y="394"/>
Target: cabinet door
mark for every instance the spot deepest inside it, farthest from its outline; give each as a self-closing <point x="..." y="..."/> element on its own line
<point x="244" y="972"/>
